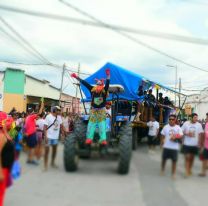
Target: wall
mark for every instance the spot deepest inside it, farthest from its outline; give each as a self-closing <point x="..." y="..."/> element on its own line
<point x="199" y="103"/>
<point x="34" y="87"/>
<point x="14" y="100"/>
<point x="1" y="90"/>
<point x="70" y="104"/>
<point x="14" y="81"/>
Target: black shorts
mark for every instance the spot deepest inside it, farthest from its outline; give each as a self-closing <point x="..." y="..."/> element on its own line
<point x="170" y="154"/>
<point x="190" y="150"/>
<point x="31" y="140"/>
<point x="151" y="140"/>
<point x="205" y="154"/>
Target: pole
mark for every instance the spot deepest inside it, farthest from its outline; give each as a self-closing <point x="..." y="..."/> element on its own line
<point x="179" y="99"/>
<point x="62" y="81"/>
<point x="76" y="107"/>
<point x="180" y="86"/>
<point x="78" y="85"/>
<point x="176" y="81"/>
<point x="176" y="77"/>
<point x="157" y="95"/>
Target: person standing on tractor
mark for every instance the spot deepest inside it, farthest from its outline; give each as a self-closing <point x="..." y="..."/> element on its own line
<point x="99" y="94"/>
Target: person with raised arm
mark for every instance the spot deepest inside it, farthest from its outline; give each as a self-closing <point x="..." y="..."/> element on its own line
<point x="99" y="93"/>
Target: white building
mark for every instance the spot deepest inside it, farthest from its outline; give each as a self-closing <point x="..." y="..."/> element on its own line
<point x="21" y="91"/>
<point x="199" y="103"/>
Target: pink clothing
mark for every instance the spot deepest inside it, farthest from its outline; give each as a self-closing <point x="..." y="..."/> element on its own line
<point x="206" y="136"/>
<point x="30" y="124"/>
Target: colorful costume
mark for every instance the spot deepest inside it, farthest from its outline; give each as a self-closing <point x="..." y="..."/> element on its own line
<point x="99" y="94"/>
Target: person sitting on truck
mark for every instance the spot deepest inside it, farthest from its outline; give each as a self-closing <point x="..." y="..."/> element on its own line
<point x="150" y="97"/>
<point x="161" y="99"/>
<point x="168" y="102"/>
<point x="140" y="91"/>
<point x="167" y="109"/>
<point x="98" y="112"/>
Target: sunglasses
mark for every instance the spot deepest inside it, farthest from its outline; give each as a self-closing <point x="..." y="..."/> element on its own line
<point x="171" y="119"/>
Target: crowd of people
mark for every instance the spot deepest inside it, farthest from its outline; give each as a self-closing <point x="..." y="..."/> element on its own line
<point x="36" y="132"/>
<point x="40" y="132"/>
<point x="190" y="138"/>
<point x="148" y="105"/>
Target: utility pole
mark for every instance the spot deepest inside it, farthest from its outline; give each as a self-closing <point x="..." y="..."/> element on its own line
<point x="78" y="73"/>
<point x="180" y="86"/>
<point x="176" y="78"/>
<point x="176" y="81"/>
<point x="62" y="81"/>
<point x="179" y="98"/>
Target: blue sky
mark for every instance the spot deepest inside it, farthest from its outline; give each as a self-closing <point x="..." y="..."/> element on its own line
<point x="69" y="43"/>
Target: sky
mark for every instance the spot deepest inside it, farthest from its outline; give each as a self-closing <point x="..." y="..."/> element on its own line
<point x="91" y="47"/>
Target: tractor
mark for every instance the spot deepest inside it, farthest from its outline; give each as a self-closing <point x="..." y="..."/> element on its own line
<point x="118" y="132"/>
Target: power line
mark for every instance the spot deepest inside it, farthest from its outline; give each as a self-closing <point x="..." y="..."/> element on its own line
<point x="189" y="90"/>
<point x="34" y="64"/>
<point x="155" y="34"/>
<point x="24" y="40"/>
<point x="109" y="27"/>
<point x="196" y="2"/>
<point x="24" y="64"/>
<point x="9" y="36"/>
<point x="88" y="74"/>
<point x="37" y="53"/>
<point x="130" y="37"/>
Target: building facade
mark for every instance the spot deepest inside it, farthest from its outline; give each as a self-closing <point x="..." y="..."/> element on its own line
<point x="22" y="91"/>
<point x="199" y="103"/>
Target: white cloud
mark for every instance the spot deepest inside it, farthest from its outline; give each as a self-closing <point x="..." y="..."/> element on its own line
<point x="92" y="47"/>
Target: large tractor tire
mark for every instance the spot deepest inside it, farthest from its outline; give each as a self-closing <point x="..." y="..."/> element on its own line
<point x="125" y="150"/>
<point x="134" y="138"/>
<point x="71" y="157"/>
<point x="126" y="129"/>
<point x="80" y="130"/>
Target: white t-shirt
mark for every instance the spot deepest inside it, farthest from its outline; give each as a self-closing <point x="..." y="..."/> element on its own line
<point x="108" y="112"/>
<point x="168" y="131"/>
<point x="54" y="130"/>
<point x="40" y="124"/>
<point x="65" y="121"/>
<point x="153" y="127"/>
<point x="194" y="129"/>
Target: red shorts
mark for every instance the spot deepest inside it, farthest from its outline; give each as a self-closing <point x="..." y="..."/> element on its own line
<point x="3" y="185"/>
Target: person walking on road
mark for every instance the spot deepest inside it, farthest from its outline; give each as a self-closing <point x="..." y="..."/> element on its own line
<point x="170" y="137"/>
<point x="30" y="132"/>
<point x="193" y="133"/>
<point x="153" y="132"/>
<point x="40" y="123"/>
<point x="204" y="153"/>
<point x="52" y="128"/>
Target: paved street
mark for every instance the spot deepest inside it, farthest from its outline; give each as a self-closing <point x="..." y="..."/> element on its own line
<point x="97" y="184"/>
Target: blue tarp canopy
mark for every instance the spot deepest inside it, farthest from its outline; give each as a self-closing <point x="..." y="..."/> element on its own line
<point x="129" y="80"/>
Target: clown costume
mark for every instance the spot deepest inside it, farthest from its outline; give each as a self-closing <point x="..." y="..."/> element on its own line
<point x="99" y="94"/>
